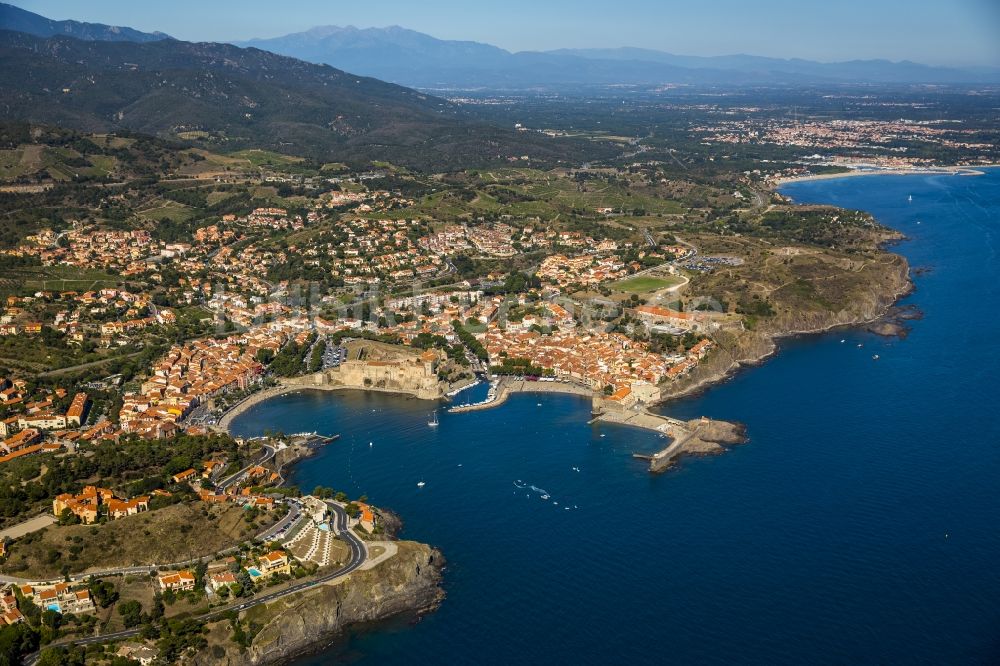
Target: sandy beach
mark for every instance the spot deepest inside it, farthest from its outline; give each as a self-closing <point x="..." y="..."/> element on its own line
<point x="957" y="170"/>
<point x="289" y="387"/>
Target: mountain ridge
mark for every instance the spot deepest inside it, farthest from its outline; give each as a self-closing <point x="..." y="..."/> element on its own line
<point x="412" y="58"/>
<point x="21" y="20"/>
<point x="230" y="98"/>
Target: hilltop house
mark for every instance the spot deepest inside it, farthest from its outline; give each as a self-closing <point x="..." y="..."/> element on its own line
<point x="178" y="582"/>
<point x="275" y="562"/>
<point x="86" y="505"/>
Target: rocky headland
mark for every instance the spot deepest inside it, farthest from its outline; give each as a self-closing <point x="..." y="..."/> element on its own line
<point x="407" y="582"/>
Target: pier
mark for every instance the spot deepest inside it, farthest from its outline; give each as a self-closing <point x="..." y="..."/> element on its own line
<point x="678" y="431"/>
<point x="702" y="436"/>
<point x="312" y="439"/>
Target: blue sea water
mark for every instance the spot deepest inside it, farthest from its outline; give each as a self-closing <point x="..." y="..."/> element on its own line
<point x="860" y="525"/>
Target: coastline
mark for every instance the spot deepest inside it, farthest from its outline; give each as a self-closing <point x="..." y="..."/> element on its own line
<point x="506" y="387"/>
<point x="774" y="342"/>
<point x="289" y="386"/>
<point x="930" y="171"/>
<point x="770" y="340"/>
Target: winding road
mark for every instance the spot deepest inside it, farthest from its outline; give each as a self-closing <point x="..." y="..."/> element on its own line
<point x="228" y="481"/>
<point x="359" y="553"/>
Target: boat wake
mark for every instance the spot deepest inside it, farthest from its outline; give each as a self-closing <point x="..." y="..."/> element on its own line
<point x="541" y="492"/>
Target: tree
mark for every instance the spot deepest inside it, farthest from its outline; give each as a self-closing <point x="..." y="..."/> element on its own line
<point x="131" y="612"/>
<point x="156" y="612"/>
<point x="104" y="592"/>
<point x="51" y="619"/>
<point x="62" y="656"/>
<point x="67" y="517"/>
<point x="17" y="640"/>
<point x="199" y="575"/>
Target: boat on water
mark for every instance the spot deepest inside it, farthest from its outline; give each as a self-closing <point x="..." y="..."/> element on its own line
<point x="875" y="357"/>
<point x="434" y="420"/>
<point x="420" y="484"/>
<point x="910" y="198"/>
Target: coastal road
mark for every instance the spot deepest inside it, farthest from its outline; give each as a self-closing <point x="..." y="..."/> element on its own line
<point x="293" y="514"/>
<point x="230" y="480"/>
<point x="340" y="526"/>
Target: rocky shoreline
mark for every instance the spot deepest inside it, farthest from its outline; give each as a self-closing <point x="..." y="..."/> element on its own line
<point x="291" y="627"/>
<point x="409" y="581"/>
<point x="753" y="353"/>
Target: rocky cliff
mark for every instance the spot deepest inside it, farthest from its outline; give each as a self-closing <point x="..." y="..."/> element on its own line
<point x="864" y="298"/>
<point x="408" y="582"/>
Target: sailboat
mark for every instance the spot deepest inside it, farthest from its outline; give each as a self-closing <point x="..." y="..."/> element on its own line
<point x="434" y="420"/>
<point x="910" y="198"/>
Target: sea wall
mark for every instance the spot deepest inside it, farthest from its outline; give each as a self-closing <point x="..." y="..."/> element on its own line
<point x="407" y="582"/>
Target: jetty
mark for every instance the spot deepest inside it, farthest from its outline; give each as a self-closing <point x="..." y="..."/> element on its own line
<point x="458" y="389"/>
<point x="312" y="439"/>
<point x="702" y="436"/>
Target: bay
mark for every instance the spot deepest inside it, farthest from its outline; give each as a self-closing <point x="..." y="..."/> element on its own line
<point x="859" y="525"/>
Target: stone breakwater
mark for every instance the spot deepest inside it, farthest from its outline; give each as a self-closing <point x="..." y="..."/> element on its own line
<point x="702" y="436"/>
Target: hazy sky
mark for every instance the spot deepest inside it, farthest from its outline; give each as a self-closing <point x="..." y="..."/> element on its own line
<point x="930" y="31"/>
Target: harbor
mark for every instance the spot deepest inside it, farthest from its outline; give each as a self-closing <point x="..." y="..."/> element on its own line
<point x="502" y="388"/>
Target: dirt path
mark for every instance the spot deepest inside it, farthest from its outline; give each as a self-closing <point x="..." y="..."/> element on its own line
<point x="31" y="157"/>
<point x="28" y="526"/>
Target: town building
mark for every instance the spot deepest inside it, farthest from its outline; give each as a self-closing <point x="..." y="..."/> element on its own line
<point x="274" y="562"/>
<point x="177" y="582"/>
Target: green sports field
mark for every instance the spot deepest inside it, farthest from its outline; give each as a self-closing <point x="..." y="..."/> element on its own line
<point x="645" y="284"/>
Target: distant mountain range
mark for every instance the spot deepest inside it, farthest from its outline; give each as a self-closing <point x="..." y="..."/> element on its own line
<point x="94" y="77"/>
<point x="20" y="20"/>
<point x="415" y="59"/>
<point x="231" y="98"/>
